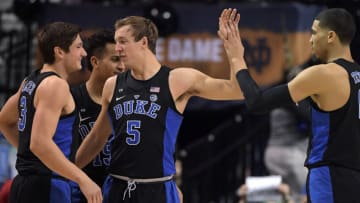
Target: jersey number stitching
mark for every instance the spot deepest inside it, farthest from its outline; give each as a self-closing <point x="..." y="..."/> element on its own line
<point x="22" y="119"/>
<point x="133" y="132"/>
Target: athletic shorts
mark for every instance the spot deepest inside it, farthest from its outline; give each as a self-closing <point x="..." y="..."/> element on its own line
<point x="333" y="184"/>
<point x="76" y="195"/>
<point x="116" y="191"/>
<point x="40" y="189"/>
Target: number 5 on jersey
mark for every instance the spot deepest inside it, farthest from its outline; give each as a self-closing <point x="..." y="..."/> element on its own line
<point x="132" y="130"/>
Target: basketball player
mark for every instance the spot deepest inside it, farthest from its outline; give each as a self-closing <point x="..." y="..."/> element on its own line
<point x="144" y="107"/>
<point x="103" y="62"/>
<point x="45" y="120"/>
<point x="333" y="90"/>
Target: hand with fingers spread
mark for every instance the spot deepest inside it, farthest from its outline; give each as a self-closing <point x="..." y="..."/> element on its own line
<point x="230" y="35"/>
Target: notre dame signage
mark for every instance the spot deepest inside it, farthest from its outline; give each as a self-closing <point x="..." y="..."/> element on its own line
<point x="267" y="54"/>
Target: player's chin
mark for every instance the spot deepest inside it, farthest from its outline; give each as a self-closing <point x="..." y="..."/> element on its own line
<point x="77" y="68"/>
<point x="315" y="53"/>
<point x="79" y="65"/>
<point x="116" y="72"/>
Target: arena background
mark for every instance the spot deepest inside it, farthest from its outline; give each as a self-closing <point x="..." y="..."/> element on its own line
<point x="220" y="143"/>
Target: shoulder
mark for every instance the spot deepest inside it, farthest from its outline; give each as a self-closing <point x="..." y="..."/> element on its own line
<point x="328" y="70"/>
<point x="319" y="71"/>
<point x="111" y="80"/>
<point x="53" y="85"/>
<point x="109" y="87"/>
<point x="55" y="82"/>
<point x="184" y="70"/>
<point x="185" y="73"/>
<point x="317" y="68"/>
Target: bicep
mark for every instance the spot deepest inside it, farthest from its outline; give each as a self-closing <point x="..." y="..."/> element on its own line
<point x="213" y="88"/>
<point x="207" y="87"/>
<point x="46" y="118"/>
<point x="309" y="82"/>
<point x="49" y="104"/>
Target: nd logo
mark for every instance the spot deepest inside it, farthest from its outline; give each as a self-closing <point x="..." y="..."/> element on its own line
<point x="257" y="55"/>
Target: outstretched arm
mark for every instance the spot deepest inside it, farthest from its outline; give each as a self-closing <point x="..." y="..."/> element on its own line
<point x="255" y="99"/>
<point x="187" y="82"/>
<point x="310" y="82"/>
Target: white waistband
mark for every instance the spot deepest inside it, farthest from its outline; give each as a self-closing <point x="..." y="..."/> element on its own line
<point x="140" y="180"/>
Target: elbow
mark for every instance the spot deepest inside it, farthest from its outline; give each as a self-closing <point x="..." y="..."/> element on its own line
<point x="250" y="107"/>
<point x="77" y="161"/>
<point x="254" y="106"/>
<point x="33" y="147"/>
<point x="80" y="157"/>
<point x="36" y="147"/>
<point x="3" y="123"/>
<point x="251" y="104"/>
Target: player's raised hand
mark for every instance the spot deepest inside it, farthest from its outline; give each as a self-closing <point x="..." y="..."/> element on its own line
<point x="229" y="33"/>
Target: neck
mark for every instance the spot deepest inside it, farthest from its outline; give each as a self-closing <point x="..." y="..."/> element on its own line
<point x="147" y="68"/>
<point x="340" y="52"/>
<point x="56" y="69"/>
<point x="95" y="87"/>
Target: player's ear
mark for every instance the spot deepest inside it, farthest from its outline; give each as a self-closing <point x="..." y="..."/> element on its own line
<point x="58" y="52"/>
<point x="144" y="41"/>
<point x="94" y="61"/>
<point x="331" y="36"/>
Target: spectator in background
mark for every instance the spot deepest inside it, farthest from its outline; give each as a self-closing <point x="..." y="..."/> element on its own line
<point x="7" y="168"/>
<point x="289" y="131"/>
<point x="283" y="189"/>
<point x="5" y="191"/>
<point x="4" y="163"/>
<point x="286" y="150"/>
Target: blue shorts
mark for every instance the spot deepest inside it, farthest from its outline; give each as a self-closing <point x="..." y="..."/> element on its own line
<point x="159" y="192"/>
<point x="333" y="184"/>
<point x="76" y="194"/>
<point x="40" y="189"/>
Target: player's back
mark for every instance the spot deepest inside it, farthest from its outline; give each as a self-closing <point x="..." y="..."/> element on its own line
<point x="336" y="134"/>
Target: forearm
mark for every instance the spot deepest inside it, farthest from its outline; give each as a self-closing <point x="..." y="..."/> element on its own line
<point x="262" y="101"/>
<point x="87" y="151"/>
<point x="96" y="139"/>
<point x="235" y="66"/>
<point x="237" y="63"/>
<point x="11" y="134"/>
<point x="49" y="153"/>
<point x="9" y="118"/>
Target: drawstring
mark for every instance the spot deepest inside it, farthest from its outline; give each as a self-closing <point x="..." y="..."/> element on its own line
<point x="130" y="187"/>
<point x="131" y="183"/>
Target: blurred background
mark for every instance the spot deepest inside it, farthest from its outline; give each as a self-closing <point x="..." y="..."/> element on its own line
<point x="220" y="143"/>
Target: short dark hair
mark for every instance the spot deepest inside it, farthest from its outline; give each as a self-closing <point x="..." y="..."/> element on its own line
<point x="141" y="27"/>
<point x="340" y="21"/>
<point x="96" y="44"/>
<point x="59" y="34"/>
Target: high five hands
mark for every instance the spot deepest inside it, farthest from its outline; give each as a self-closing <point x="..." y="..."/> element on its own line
<point x="230" y="35"/>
